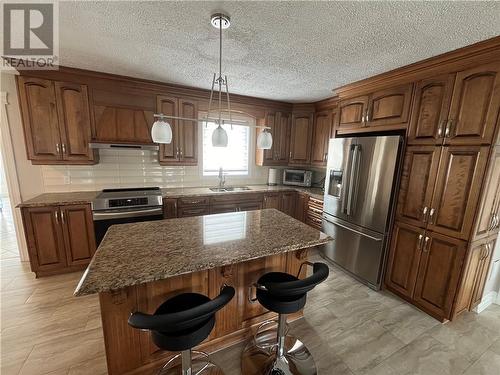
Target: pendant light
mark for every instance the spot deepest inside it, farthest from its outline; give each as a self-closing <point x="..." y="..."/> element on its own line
<point x="161" y="132"/>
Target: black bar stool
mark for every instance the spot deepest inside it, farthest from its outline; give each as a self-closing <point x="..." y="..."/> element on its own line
<point x="181" y="323"/>
<point x="274" y="352"/>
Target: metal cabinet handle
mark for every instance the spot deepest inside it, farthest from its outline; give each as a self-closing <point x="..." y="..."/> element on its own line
<point x="419" y="243"/>
<point x="431" y="213"/>
<point x="424" y="213"/>
<point x="448" y="128"/>
<point x="62" y="216"/>
<point x="440" y="128"/>
<point x="56" y="215"/>
<point x="57" y="148"/>
<point x="64" y="148"/>
<point x="290" y="155"/>
<point x="425" y="244"/>
<point x="180" y="152"/>
<point x="177" y="153"/>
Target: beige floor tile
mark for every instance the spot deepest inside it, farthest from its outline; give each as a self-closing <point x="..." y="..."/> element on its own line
<point x="96" y="366"/>
<point x="487" y="364"/>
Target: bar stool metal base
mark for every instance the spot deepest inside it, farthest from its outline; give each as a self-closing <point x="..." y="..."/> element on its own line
<point x="190" y="363"/>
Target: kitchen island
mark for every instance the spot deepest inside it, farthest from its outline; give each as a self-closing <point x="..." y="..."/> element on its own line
<point x="138" y="266"/>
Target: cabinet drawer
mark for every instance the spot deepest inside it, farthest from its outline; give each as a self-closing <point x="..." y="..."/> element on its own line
<point x="192" y="211"/>
<point x="192" y="201"/>
<point x="236" y="198"/>
<point x="316" y="204"/>
<point x="313" y="221"/>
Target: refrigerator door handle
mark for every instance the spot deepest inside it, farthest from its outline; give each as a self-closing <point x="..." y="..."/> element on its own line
<point x="353" y="230"/>
<point x="353" y="178"/>
<point x="347" y="189"/>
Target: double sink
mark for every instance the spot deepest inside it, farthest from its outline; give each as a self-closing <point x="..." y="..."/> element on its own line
<point x="230" y="188"/>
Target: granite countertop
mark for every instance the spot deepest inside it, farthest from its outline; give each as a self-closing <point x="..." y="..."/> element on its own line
<point x="85" y="197"/>
<point x="137" y="253"/>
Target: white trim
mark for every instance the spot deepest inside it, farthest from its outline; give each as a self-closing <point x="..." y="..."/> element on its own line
<point x="487" y="300"/>
<point x="9" y="162"/>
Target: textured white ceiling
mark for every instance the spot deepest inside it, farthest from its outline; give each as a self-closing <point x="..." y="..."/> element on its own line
<point x="291" y="51"/>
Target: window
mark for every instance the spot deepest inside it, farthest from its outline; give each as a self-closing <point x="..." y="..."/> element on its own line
<point x="233" y="158"/>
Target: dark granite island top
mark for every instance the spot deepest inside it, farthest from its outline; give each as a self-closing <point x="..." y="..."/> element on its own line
<point x="138" y="253"/>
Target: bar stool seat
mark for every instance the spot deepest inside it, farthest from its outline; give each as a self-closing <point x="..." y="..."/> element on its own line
<point x="181" y="323"/>
<point x="280" y="304"/>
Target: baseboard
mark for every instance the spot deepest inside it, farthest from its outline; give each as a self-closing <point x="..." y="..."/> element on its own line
<point x="488" y="299"/>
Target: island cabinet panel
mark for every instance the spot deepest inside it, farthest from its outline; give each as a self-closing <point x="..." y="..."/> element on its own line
<point x="431" y="105"/>
<point x="420" y="168"/>
<point x="352" y="113"/>
<point x="321" y="135"/>
<point x="389" y="106"/>
<point x="404" y="258"/>
<point x="301" y="137"/>
<point x="60" y="238"/>
<point x="439" y="273"/>
<point x="456" y="194"/>
<point x="122" y="116"/>
<point x="474" y="106"/>
<point x="78" y="231"/>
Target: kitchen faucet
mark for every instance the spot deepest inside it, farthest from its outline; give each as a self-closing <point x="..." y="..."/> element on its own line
<point x="222" y="178"/>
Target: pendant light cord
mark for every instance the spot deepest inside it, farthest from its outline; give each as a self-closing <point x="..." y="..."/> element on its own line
<point x="220" y="70"/>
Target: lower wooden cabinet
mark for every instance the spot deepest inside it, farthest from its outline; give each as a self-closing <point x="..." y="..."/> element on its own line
<point x="424" y="267"/>
<point x="60" y="238"/>
<point x="288" y="201"/>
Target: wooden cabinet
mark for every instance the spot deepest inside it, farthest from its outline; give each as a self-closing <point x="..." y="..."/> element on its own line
<point x="183" y="150"/>
<point x="420" y="168"/>
<point x="57" y="123"/>
<point x="272" y="200"/>
<point x="456" y="194"/>
<point x="314" y="212"/>
<point x="123" y="116"/>
<point x="288" y="201"/>
<point x="438" y="274"/>
<point x="389" y="106"/>
<point x="301" y="206"/>
<point x="352" y="113"/>
<point x="169" y="208"/>
<point x="60" y="238"/>
<point x="488" y="217"/>
<point x="322" y="130"/>
<point x="474" y="106"/>
<point x="404" y="258"/>
<point x="300" y="140"/>
<point x="424" y="267"/>
<point x="431" y="104"/>
<point x="280" y="124"/>
<point x="482" y="269"/>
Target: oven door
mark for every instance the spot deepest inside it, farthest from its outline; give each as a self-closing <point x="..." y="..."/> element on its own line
<point x="105" y="218"/>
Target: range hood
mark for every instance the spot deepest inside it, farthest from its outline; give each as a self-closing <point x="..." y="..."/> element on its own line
<point x="128" y="146"/>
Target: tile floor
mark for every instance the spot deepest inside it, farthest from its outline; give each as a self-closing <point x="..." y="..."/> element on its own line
<point x="8" y="242"/>
<point x="349" y="329"/>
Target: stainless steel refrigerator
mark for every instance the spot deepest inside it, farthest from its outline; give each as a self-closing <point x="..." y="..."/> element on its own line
<point x="359" y="197"/>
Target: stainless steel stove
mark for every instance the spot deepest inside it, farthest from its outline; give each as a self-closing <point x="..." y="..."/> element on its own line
<point x="119" y="206"/>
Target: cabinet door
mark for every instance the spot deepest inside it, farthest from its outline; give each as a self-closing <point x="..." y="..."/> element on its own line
<point x="188" y="131"/>
<point x="41" y="128"/>
<point x="300" y="142"/>
<point x="271" y="154"/>
<point x="431" y="104"/>
<point x="482" y="273"/>
<point x="417" y="184"/>
<point x="74" y="121"/>
<point x="390" y="106"/>
<point x="283" y="138"/>
<point x="404" y="259"/>
<point x="321" y="136"/>
<point x="222" y="208"/>
<point x="352" y="113"/>
<point x="439" y="273"/>
<point x="288" y="200"/>
<point x="272" y="201"/>
<point x="249" y="206"/>
<point x="301" y="206"/>
<point x="456" y="195"/>
<point x="486" y="219"/>
<point x="474" y="106"/>
<point x="192" y="211"/>
<point x="169" y="153"/>
<point x="78" y="231"/>
<point x="42" y="227"/>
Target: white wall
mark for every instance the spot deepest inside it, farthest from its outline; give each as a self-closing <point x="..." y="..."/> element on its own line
<point x="117" y="168"/>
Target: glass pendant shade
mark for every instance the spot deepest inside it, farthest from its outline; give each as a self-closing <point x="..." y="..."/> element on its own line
<point x="219" y="137"/>
<point x="161" y="132"/>
<point x="265" y="140"/>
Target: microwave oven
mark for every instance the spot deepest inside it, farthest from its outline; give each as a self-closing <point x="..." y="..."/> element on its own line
<point x="297" y="177"/>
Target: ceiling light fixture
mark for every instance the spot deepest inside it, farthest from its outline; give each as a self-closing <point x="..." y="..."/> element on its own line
<point x="161" y="131"/>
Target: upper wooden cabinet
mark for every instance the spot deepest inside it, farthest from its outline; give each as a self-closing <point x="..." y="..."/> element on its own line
<point x="60" y="238"/>
<point x="474" y="106"/>
<point x="431" y="105"/>
<point x="280" y="124"/>
<point x="384" y="109"/>
<point x="322" y="130"/>
<point x="183" y="150"/>
<point x="57" y="124"/>
<point x="389" y="106"/>
<point x="488" y="218"/>
<point x="418" y="178"/>
<point x="123" y="117"/>
<point x="456" y="194"/>
<point x="300" y="140"/>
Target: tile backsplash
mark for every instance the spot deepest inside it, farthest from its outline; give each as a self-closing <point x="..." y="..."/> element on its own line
<point x="135" y="168"/>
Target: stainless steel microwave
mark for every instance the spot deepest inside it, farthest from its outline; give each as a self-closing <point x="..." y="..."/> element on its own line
<point x="297" y="177"/>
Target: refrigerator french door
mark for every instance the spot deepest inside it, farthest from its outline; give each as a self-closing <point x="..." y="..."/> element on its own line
<point x="359" y="188"/>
